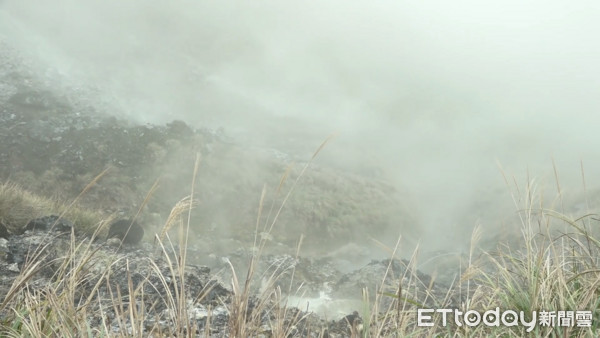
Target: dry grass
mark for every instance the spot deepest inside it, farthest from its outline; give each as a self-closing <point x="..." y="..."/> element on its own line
<point x="245" y="310"/>
<point x="557" y="268"/>
<point x="18" y="206"/>
<point x="552" y="271"/>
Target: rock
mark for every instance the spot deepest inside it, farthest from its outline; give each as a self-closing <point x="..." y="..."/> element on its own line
<point x="4" y="231"/>
<point x="14" y="267"/>
<point x="47" y="223"/>
<point x="113" y="242"/>
<point x="179" y="128"/>
<point x="4" y="249"/>
<point x="416" y="285"/>
<point x="128" y="231"/>
<point x="139" y="268"/>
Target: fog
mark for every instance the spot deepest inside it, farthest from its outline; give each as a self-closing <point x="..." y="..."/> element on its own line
<point x="436" y="94"/>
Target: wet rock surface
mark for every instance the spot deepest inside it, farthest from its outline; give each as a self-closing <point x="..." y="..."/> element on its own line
<point x="127" y="231"/>
<point x="47" y="223"/>
<point x="321" y="277"/>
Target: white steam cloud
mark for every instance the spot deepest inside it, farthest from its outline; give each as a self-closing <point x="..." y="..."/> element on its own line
<point x="434" y="92"/>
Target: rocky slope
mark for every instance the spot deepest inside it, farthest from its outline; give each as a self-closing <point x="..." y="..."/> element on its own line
<point x="55" y="139"/>
<point x="95" y="271"/>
